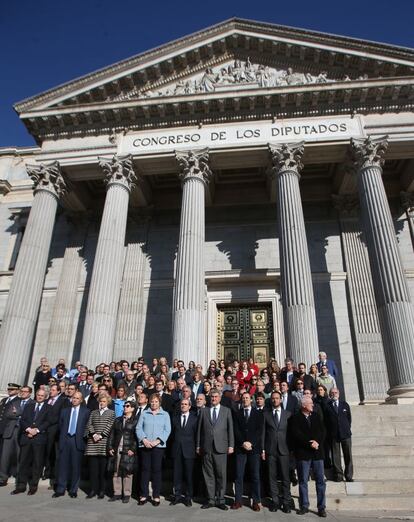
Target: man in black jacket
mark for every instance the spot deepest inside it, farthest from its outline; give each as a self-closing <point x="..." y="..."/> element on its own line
<point x="339" y="427"/>
<point x="10" y="412"/>
<point x="33" y="439"/>
<point x="276" y="452"/>
<point x="307" y="433"/>
<point x="183" y="451"/>
<point x="248" y="428"/>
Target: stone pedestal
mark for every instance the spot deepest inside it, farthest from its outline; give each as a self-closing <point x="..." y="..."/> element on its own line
<point x="296" y="279"/>
<point x="102" y="309"/>
<point x="189" y="316"/>
<point x="392" y="296"/>
<point x="22" y="308"/>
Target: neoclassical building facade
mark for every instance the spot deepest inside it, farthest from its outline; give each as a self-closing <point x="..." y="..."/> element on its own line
<point x="245" y="191"/>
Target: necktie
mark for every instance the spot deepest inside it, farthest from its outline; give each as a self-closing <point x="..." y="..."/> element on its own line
<point x="183" y="422"/>
<point x="214" y="415"/>
<point x="73" y="419"/>
<point x="276" y="416"/>
<point x="36" y="412"/>
<point x="284" y="402"/>
<point x="246" y="415"/>
<point x="336" y="406"/>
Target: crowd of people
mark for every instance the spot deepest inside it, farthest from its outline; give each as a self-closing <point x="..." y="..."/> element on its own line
<point x="121" y="424"/>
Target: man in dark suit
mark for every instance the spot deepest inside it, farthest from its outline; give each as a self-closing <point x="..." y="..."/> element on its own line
<point x="72" y="423"/>
<point x="167" y="403"/>
<point x="276" y="452"/>
<point x="308" y="382"/>
<point x="289" y="402"/>
<point x="197" y="385"/>
<point x="33" y="439"/>
<point x="215" y="440"/>
<point x="9" y="428"/>
<point x="56" y="401"/>
<point x="248" y="428"/>
<point x="289" y="373"/>
<point x="331" y="365"/>
<point x="307" y="434"/>
<point x="339" y="428"/>
<point x="183" y="451"/>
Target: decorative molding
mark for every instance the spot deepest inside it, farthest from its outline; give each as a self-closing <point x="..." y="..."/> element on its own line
<point x="47" y="177"/>
<point x="119" y="170"/>
<point x="287" y="157"/>
<point x="347" y="204"/>
<point x="5" y="187"/>
<point x="194" y="165"/>
<point x="368" y="152"/>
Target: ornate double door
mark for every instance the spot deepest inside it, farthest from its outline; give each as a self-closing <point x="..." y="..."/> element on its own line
<point x="244" y="332"/>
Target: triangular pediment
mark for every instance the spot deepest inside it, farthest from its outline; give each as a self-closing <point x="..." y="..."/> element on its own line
<point x="179" y="66"/>
<point x="236" y="59"/>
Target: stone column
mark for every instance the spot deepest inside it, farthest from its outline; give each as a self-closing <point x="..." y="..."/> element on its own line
<point x="296" y="278"/>
<point x="22" y="308"/>
<point x="102" y="309"/>
<point x="189" y="315"/>
<point x="391" y="291"/>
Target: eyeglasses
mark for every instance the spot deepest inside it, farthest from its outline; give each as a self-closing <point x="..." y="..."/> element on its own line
<point x="127" y="406"/>
<point x="106" y="380"/>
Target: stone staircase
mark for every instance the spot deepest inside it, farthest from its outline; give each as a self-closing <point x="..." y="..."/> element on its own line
<point x="383" y="453"/>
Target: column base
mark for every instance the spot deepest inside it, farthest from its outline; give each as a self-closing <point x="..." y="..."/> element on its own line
<point x="402" y="394"/>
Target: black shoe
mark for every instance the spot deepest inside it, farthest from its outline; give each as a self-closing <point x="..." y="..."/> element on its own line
<point x="174" y="501"/>
<point x="142" y="502"/>
<point x="302" y="511"/>
<point x="101" y="495"/>
<point x="207" y="505"/>
<point x="338" y="479"/>
<point x="349" y="480"/>
<point x="125" y="500"/>
<point x="32" y="491"/>
<point x="322" y="513"/>
<point x="17" y="491"/>
<point x="223" y="507"/>
<point x="114" y="498"/>
<point x="73" y="495"/>
<point x="286" y="509"/>
<point x="3" y="483"/>
<point x="92" y="494"/>
<point x="155" y="503"/>
<point x="294" y="482"/>
<point x="57" y="495"/>
<point x="187" y="502"/>
<point x="273" y="507"/>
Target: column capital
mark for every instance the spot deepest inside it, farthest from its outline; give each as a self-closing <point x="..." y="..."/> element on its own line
<point x="194" y="164"/>
<point x="286" y="157"/>
<point x="368" y="152"/>
<point x="407" y="201"/>
<point x="47" y="177"/>
<point x="119" y="170"/>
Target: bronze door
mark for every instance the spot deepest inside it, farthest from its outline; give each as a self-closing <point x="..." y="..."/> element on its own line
<point x="244" y="332"/>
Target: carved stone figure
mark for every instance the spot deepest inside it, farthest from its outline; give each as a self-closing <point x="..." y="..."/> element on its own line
<point x="208" y="80"/>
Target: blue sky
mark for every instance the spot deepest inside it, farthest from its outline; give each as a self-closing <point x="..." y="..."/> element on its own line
<point x="44" y="43"/>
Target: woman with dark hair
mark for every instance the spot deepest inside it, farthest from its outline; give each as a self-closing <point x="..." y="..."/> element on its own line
<point x="273" y="367"/>
<point x="122" y="448"/>
<point x="153" y="430"/>
<point x="212" y="371"/>
<point x="92" y="399"/>
<point x="97" y="431"/>
<point x="119" y="401"/>
<point x="109" y="383"/>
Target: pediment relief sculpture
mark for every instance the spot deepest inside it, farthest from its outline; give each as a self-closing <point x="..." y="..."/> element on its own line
<point x="243" y="74"/>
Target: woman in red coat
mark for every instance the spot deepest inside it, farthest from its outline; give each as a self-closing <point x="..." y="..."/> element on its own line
<point x="244" y="375"/>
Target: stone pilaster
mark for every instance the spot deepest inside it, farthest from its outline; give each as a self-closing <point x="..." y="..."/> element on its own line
<point x="22" y="308"/>
<point x="392" y="296"/>
<point x="189" y="316"/>
<point x="102" y="309"/>
<point x="60" y="338"/>
<point x="370" y="360"/>
<point x="296" y="279"/>
<point x="407" y="203"/>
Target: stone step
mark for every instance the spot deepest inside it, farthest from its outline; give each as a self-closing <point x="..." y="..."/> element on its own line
<point x="363" y="487"/>
<point x="395" y="449"/>
<point x="379" y="460"/>
<point x="379" y="440"/>
<point x="382" y="430"/>
<point x="400" y="410"/>
<point x="362" y="503"/>
<point x="383" y="473"/>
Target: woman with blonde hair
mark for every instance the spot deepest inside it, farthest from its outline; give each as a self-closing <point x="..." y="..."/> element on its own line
<point x="97" y="432"/>
<point x="153" y="430"/>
